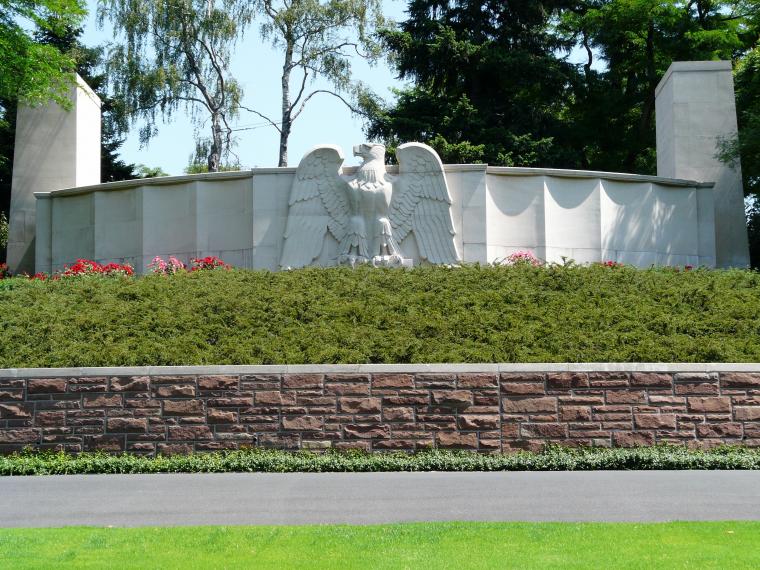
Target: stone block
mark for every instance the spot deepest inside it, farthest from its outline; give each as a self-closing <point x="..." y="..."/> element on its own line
<point x="697" y="388"/>
<point x="392" y="381"/>
<point x="130" y="384"/>
<point x="742" y="413"/>
<point x="709" y="405"/>
<point x="347" y="388"/>
<point x="575" y="413"/>
<point x="478" y="422"/>
<point x="608" y="379"/>
<point x="530" y="405"/>
<point x="218" y="382"/>
<point x="478" y="380"/>
<point x="215" y="416"/>
<point x="46" y="386"/>
<point x="567" y="380"/>
<point x="451" y="398"/>
<point x="740" y="380"/>
<point x="366" y="431"/>
<point x="626" y="396"/>
<point x="651" y="380"/>
<point x="544" y="430"/>
<point x="24" y="435"/>
<point x="93" y="384"/>
<point x="632" y="439"/>
<point x="302" y="423"/>
<point x="124" y="425"/>
<point x="457" y="440"/>
<point x="103" y="401"/>
<point x="15" y="411"/>
<point x="183" y="407"/>
<point x="175" y="391"/>
<point x="654" y="421"/>
<point x="301" y="381"/>
<point x="722" y="429"/>
<point x="534" y="387"/>
<point x="188" y="433"/>
<point x="435" y="380"/>
<point x="359" y="405"/>
<point x="399" y="414"/>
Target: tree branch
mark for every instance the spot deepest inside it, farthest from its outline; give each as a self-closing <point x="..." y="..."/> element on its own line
<point x="267" y="119"/>
<point x="334" y="94"/>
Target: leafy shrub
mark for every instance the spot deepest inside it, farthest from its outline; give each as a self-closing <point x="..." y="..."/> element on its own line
<point x="261" y="460"/>
<point x="3" y="231"/>
<point x="514" y="313"/>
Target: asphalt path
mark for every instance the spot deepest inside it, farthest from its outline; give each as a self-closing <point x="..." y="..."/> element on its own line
<point x="372" y="498"/>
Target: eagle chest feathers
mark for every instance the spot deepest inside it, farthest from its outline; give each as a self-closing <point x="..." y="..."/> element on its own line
<point x="371" y="213"/>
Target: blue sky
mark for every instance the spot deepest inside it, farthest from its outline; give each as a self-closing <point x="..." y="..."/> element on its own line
<point x="257" y="67"/>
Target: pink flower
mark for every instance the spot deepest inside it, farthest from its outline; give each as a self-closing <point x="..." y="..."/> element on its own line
<point x="523" y="257"/>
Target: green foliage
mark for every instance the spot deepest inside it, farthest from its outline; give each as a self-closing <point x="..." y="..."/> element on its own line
<point x="198" y="164"/>
<point x="144" y="171"/>
<point x="487" y="85"/>
<point x="31" y="70"/>
<point x="176" y="55"/>
<point x="491" y="81"/>
<point x="552" y="458"/>
<point x="436" y="314"/>
<point x="3" y="231"/>
<point x="747" y="146"/>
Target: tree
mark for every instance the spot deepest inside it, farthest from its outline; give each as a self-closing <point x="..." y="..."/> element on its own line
<point x="491" y="81"/>
<point x="637" y="40"/>
<point x="176" y="54"/>
<point x="487" y="84"/>
<point x="318" y="39"/>
<point x="30" y="70"/>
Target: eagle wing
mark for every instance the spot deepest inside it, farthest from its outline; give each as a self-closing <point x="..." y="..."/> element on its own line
<point x="421" y="204"/>
<point x="317" y="205"/>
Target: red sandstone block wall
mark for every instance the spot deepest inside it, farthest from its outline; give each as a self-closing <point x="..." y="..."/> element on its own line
<point x="484" y="412"/>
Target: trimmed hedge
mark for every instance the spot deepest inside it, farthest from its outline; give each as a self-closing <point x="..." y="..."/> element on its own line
<point x="272" y="461"/>
<point x="469" y="314"/>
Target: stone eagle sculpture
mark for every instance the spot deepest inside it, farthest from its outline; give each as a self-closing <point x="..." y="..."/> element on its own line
<point x="372" y="212"/>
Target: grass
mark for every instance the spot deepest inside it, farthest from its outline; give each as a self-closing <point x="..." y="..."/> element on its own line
<point x="422" y="545"/>
<point x="275" y="461"/>
<point x="468" y="314"/>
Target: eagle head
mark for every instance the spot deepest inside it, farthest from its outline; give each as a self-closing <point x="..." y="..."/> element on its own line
<point x="370" y="152"/>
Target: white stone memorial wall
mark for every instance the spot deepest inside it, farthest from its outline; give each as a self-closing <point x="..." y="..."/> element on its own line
<point x="241" y="216"/>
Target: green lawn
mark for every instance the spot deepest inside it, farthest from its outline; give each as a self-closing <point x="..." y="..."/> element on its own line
<point x="423" y="545"/>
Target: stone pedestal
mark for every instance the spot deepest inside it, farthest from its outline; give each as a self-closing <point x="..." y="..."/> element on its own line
<point x="696" y="108"/>
<point x="54" y="149"/>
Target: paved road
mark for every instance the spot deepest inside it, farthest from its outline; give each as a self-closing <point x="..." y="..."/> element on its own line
<point x="368" y="498"/>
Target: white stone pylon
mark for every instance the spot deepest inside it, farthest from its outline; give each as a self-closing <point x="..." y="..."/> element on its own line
<point x="55" y="148"/>
<point x="696" y="108"/>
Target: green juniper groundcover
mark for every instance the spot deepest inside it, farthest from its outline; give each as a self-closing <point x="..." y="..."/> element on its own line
<point x="552" y="458"/>
<point x="473" y="314"/>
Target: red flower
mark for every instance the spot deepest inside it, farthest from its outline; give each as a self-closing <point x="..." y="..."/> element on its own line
<point x="208" y="262"/>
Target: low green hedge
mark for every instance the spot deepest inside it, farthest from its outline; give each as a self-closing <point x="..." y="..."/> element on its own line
<point x="271" y="461"/>
<point x="468" y="314"/>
